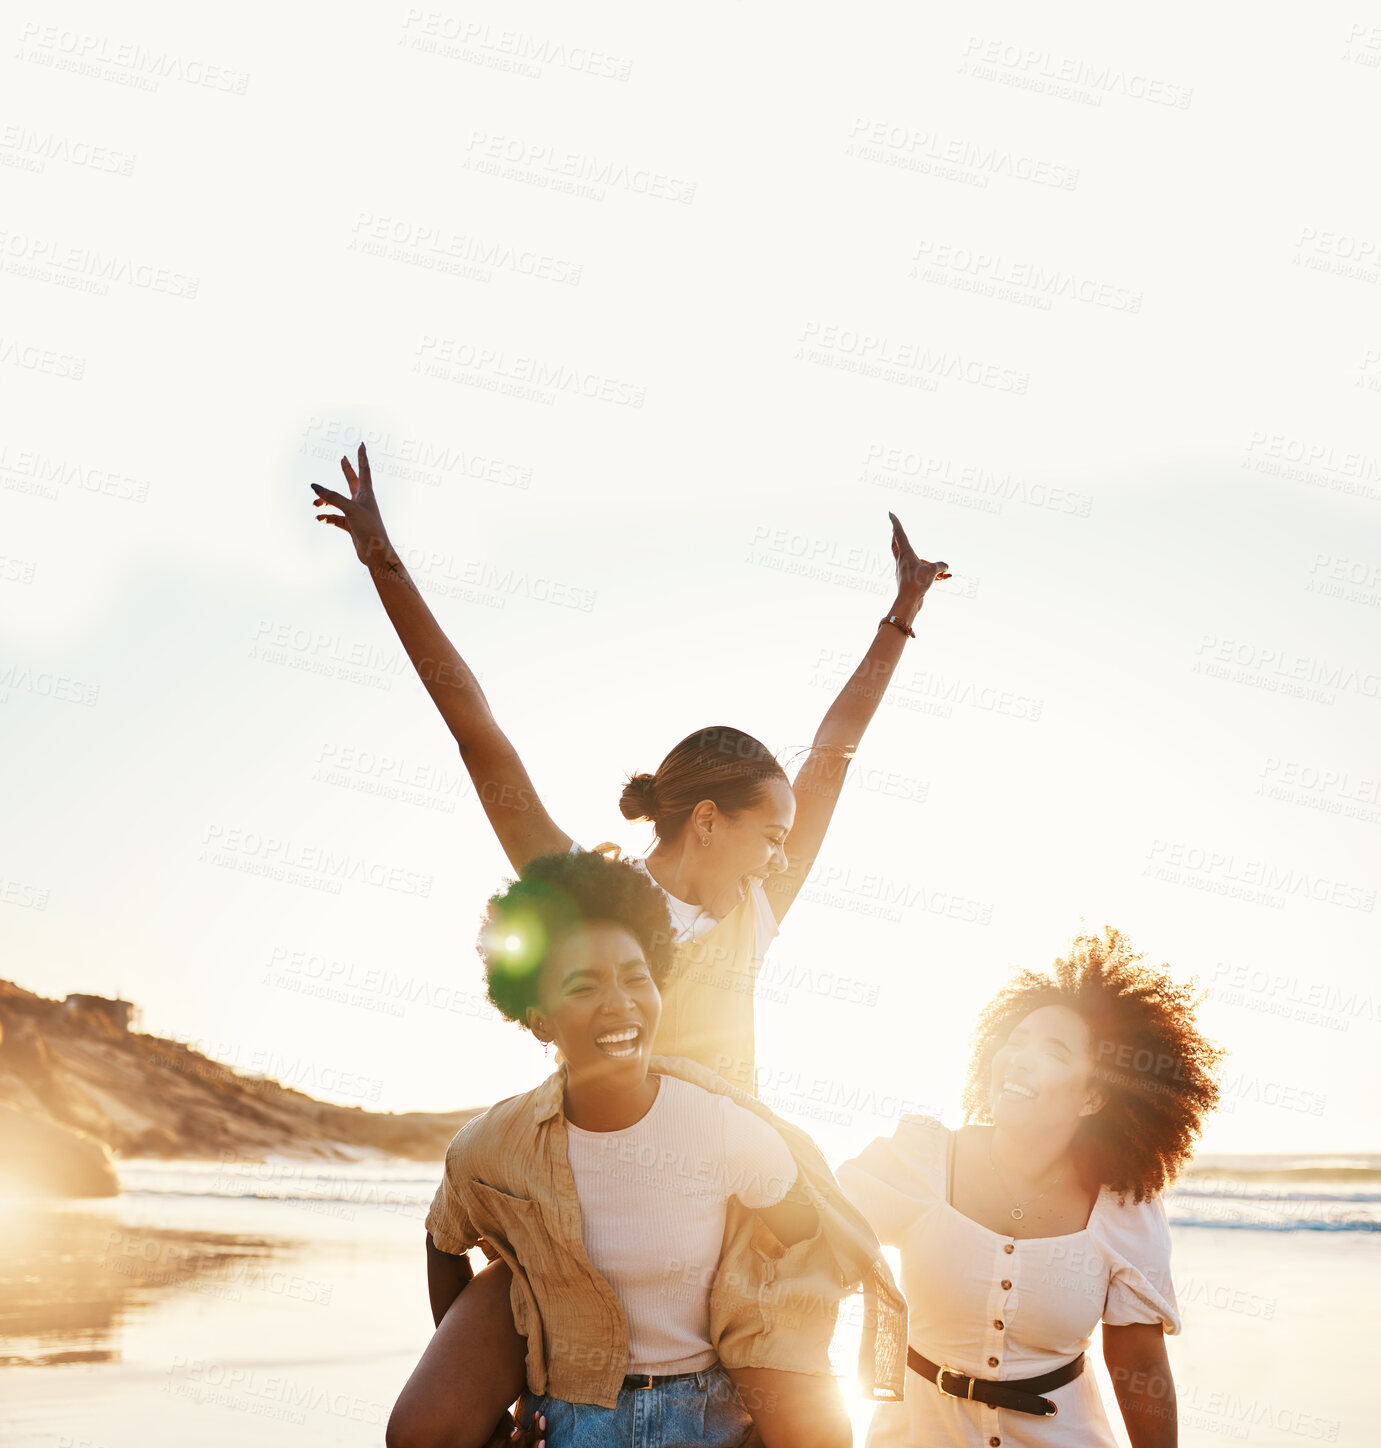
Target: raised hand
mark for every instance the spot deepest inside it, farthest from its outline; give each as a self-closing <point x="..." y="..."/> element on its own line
<point x="914" y="574"/>
<point x="359" y="513"/>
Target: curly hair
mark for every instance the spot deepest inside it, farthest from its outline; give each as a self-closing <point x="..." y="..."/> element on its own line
<point x="1157" y="1072"/>
<point x="554" y="894"/>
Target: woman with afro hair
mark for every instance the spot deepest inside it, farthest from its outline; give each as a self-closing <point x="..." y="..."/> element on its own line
<point x="1042" y="1215"/>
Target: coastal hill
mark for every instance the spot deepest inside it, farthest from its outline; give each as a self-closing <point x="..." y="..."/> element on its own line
<point x="77" y="1084"/>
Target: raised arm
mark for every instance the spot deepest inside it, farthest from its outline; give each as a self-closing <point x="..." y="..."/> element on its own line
<point x="521" y="822"/>
<point x="821" y="778"/>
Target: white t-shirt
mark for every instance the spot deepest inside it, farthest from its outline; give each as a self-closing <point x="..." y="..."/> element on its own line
<point x="652" y="1212"/>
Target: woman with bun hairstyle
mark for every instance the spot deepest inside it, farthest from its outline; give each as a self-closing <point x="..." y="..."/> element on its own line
<point x="735" y="842"/>
<point x="605" y="1192"/>
<point x="1043" y="1216"/>
<point x="736" y="839"/>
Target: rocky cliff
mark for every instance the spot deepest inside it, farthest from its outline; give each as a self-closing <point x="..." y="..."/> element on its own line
<point x="76" y="1086"/>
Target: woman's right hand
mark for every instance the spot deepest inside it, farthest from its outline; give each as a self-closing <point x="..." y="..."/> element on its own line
<point x="359" y="513"/>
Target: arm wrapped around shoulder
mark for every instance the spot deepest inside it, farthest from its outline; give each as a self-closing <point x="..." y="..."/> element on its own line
<point x="774" y="1306"/>
<point x="778" y="1306"/>
<point x="894" y="1176"/>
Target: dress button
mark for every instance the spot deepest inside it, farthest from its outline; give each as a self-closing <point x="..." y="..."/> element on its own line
<point x="1006" y="1284"/>
<point x="997" y="1323"/>
<point x="992" y="1362"/>
<point x="1009" y="1248"/>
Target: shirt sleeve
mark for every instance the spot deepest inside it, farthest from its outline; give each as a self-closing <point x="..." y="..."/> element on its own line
<point x="447" y="1220"/>
<point x="892" y="1177"/>
<point x="1137" y="1241"/>
<point x="759" y="1168"/>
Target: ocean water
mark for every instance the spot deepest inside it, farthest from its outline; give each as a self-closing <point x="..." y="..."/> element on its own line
<point x="286" y="1303"/>
<point x="1255" y="1193"/>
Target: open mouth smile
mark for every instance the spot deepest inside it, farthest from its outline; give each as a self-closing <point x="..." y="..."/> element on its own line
<point x="1015" y="1088"/>
<point x="620" y="1043"/>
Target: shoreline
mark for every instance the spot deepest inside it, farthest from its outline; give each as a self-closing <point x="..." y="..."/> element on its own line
<point x="170" y="1315"/>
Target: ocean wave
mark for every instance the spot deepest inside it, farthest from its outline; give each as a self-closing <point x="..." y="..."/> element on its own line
<point x="1302" y="1224"/>
<point x="1241" y="1200"/>
<point x="1286" y="1194"/>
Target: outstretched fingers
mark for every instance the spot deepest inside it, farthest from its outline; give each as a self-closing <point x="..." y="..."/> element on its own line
<point x="326" y="496"/>
<point x="357" y="480"/>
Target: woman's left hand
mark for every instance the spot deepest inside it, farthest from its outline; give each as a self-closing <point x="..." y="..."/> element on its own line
<point x="914" y="574"/>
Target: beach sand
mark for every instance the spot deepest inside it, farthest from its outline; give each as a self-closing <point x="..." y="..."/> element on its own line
<point x="164" y="1319"/>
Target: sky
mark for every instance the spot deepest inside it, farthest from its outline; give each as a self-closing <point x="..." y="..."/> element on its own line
<point x="648" y="326"/>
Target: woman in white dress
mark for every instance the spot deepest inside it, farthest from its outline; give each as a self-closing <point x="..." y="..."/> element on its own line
<point x="1022" y="1230"/>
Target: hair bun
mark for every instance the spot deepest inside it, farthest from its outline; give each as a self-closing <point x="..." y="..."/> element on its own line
<point x="639" y="799"/>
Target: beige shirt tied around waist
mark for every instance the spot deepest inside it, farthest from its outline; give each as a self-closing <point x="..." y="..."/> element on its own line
<point x="508" y="1180"/>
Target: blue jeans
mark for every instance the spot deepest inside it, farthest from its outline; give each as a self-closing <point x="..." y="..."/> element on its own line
<point x="701" y="1411"/>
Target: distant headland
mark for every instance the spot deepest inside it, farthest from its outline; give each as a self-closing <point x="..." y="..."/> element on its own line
<point x="79" y="1087"/>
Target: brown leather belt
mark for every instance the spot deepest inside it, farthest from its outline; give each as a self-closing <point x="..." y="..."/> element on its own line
<point x="1022" y="1394"/>
<point x="635" y="1381"/>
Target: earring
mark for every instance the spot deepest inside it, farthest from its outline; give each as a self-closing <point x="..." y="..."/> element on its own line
<point x="704" y="839"/>
<point x="546" y="1046"/>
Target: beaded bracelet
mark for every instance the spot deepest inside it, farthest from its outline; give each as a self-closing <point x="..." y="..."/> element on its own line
<point x="897" y="623"/>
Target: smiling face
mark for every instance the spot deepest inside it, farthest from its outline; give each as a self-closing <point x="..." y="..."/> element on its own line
<point x="748" y="845"/>
<point x="600" y="1005"/>
<point x="1042" y="1077"/>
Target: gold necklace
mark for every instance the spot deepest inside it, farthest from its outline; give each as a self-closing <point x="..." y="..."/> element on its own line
<point x="1017" y="1212"/>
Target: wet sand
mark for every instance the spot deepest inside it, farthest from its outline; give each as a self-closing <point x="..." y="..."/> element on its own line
<point x="179" y="1320"/>
<point x="153" y="1320"/>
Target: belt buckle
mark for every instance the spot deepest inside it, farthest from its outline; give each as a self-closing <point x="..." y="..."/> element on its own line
<point x="643" y="1387"/>
<point x="944" y="1391"/>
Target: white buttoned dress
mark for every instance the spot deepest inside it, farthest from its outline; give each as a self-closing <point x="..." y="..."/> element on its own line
<point x="996" y="1307"/>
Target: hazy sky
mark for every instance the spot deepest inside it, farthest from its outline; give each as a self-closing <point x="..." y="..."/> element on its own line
<point x="651" y="324"/>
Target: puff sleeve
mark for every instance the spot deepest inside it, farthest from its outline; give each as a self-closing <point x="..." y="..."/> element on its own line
<point x="1135" y="1238"/>
<point x="895" y="1175"/>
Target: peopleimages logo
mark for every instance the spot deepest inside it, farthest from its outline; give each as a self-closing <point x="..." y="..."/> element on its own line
<point x="1259" y="881"/>
<point x="1282" y="667"/>
<point x="283" y="859"/>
